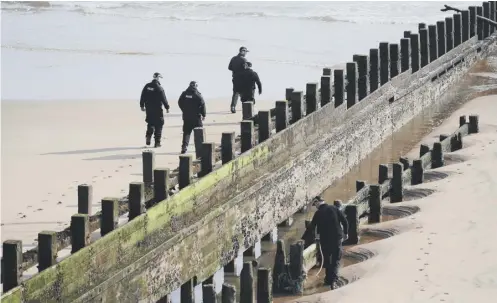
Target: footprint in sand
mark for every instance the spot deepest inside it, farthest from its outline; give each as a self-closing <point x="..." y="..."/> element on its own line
<point x="58" y="203"/>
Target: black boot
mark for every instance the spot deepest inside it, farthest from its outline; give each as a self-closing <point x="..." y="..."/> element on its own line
<point x="157" y="144"/>
<point x="147" y="142"/>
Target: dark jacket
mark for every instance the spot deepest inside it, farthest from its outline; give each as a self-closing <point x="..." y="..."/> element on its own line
<point x="192" y="104"/>
<point x="237" y="64"/>
<point x="327" y="219"/>
<point x="152" y="98"/>
<point x="246" y="80"/>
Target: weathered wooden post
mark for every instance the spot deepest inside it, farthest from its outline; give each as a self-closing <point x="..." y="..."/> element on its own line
<point x="228" y="144"/>
<point x="207" y="159"/>
<point x="394" y="60"/>
<point x="161" y="184"/>
<point x="417" y="172"/>
<point x="449" y="33"/>
<point x="382" y="173"/>
<point x="423" y="149"/>
<point x="311" y="97"/>
<point x="279" y="263"/>
<point x="359" y="184"/>
<point x="374" y="201"/>
<point x="264" y="286"/>
<point x="85" y="199"/>
<point x="12" y="261"/>
<point x="326" y="71"/>
<point x="432" y="33"/>
<point x="47" y="249"/>
<point x="80" y="232"/>
<point x="465" y="25"/>
<point x="247" y="283"/>
<point x="247" y="110"/>
<point x="209" y="294"/>
<point x="396" y="192"/>
<point x="228" y="294"/>
<point x="185" y="173"/>
<point x="437" y="159"/>
<point x="479" y="23"/>
<point x="339" y="84"/>
<point x="405" y="54"/>
<point x="424" y="47"/>
<point x="462" y="120"/>
<point x="486" y="14"/>
<point x="351" y="84"/>
<point x="473" y="127"/>
<point x="421" y="26"/>
<point x="187" y="293"/>
<point x="297" y="99"/>
<point x="384" y="62"/>
<point x="374" y="67"/>
<point x="281" y="115"/>
<point x="136" y="198"/>
<point x="442" y="41"/>
<point x="297" y="264"/>
<point x="148" y="159"/>
<point x="362" y="62"/>
<point x="199" y="137"/>
<point x="457" y="30"/>
<point x="407" y="34"/>
<point x="325" y="91"/>
<point x="247" y="135"/>
<point x="265" y="125"/>
<point x="288" y="93"/>
<point x="353" y="219"/>
<point x="110" y="215"/>
<point x="415" y="62"/>
<point x="472" y="21"/>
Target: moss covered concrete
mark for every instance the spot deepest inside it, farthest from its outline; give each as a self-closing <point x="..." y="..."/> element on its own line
<point x="200" y="229"/>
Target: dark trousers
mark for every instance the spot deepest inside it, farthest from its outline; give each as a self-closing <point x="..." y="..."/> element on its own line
<point x="235" y="96"/>
<point x="332" y="254"/>
<point x="248" y="96"/>
<point x="154" y="127"/>
<point x="188" y="127"/>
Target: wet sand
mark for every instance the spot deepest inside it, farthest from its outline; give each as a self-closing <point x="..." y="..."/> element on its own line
<point x="447" y="255"/>
<point x="48" y="148"/>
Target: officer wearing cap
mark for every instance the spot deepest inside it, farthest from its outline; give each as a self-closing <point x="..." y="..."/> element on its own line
<point x="151" y="101"/>
<point x="192" y="105"/>
<point x="328" y="219"/>
<point x="237" y="64"/>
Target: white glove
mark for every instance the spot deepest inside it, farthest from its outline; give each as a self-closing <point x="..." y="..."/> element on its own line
<point x="345" y="237"/>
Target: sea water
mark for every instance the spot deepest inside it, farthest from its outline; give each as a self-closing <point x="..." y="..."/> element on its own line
<point x="109" y="50"/>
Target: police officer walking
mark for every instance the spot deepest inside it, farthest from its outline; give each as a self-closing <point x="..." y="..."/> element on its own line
<point x="192" y="105"/>
<point x="151" y="101"/>
<point x="328" y="218"/>
<point x="245" y="82"/>
<point x="237" y="65"/>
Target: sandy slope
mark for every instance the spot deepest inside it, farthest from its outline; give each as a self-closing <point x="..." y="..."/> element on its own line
<point x="48" y="148"/>
<point x="449" y="253"/>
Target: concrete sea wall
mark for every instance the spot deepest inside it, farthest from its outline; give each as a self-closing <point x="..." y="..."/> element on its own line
<point x="185" y="239"/>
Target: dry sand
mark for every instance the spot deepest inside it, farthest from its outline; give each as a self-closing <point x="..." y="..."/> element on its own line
<point x="48" y="148"/>
<point x="449" y="251"/>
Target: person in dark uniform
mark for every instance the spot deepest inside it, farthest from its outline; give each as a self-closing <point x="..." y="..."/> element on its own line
<point x="327" y="219"/>
<point x="245" y="83"/>
<point x="151" y="101"/>
<point x="192" y="105"/>
<point x="237" y="65"/>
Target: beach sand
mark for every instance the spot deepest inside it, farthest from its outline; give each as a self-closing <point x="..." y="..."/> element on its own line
<point x="49" y="148"/>
<point x="447" y="252"/>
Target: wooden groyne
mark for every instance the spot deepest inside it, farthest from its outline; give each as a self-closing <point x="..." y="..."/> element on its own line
<point x="183" y="229"/>
<point x="367" y="205"/>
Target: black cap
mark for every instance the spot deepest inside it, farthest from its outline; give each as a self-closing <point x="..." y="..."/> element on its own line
<point x="317" y="199"/>
<point x="157" y="75"/>
<point x="243" y="48"/>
